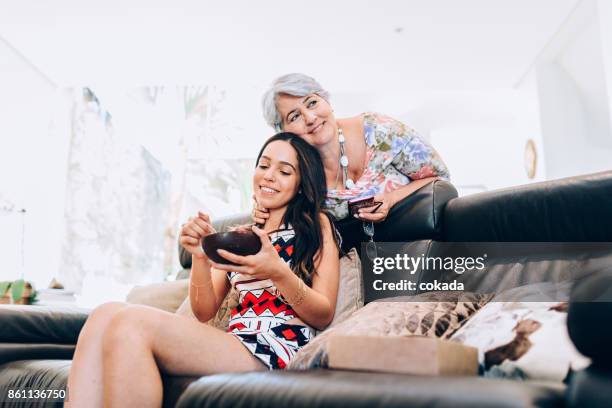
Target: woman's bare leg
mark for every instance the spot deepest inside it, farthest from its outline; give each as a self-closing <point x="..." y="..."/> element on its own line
<point x="85" y="380"/>
<point x="141" y="341"/>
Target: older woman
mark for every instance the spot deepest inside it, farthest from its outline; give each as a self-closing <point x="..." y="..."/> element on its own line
<point x="368" y="154"/>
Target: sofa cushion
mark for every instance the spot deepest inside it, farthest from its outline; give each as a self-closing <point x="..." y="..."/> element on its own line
<point x="53" y="374"/>
<point x="330" y="388"/>
<point x="36" y="375"/>
<point x="166" y="296"/>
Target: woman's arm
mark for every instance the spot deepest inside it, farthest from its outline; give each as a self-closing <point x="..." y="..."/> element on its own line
<point x="207" y="289"/>
<point x="415" y="157"/>
<point x="412" y="156"/>
<point x="208" y="286"/>
<point x="319" y="302"/>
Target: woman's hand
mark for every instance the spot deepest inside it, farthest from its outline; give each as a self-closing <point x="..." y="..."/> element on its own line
<point x="259" y="214"/>
<point x="192" y="233"/>
<point x="391" y="198"/>
<point x="377" y="212"/>
<point x="266" y="264"/>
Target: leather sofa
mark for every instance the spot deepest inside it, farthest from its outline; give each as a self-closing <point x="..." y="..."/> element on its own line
<point x="36" y="343"/>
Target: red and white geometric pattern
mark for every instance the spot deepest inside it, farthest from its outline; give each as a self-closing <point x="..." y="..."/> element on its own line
<point x="259" y="319"/>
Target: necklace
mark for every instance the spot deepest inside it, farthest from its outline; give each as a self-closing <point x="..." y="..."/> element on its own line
<point x="344" y="162"/>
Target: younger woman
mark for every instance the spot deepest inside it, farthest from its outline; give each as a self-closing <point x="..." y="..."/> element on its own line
<point x="290" y="285"/>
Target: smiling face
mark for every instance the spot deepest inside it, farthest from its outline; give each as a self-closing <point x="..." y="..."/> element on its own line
<point x="310" y="117"/>
<point x="276" y="179"/>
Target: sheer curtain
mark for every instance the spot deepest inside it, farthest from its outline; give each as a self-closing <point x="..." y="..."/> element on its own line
<point x="142" y="160"/>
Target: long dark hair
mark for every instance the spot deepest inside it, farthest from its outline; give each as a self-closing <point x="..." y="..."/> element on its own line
<point x="304" y="209"/>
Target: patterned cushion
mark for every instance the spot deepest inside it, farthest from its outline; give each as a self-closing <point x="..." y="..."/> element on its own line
<point x="431" y="314"/>
<point x="524" y="339"/>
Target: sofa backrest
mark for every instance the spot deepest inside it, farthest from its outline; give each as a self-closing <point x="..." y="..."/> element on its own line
<point x="575" y="209"/>
<point x="566" y="225"/>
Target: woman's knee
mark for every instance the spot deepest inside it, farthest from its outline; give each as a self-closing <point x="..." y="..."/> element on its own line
<point x="99" y="318"/>
<point x="127" y="327"/>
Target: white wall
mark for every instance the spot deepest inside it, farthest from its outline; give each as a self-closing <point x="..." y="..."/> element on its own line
<point x="529" y="122"/>
<point x="604" y="14"/>
<point x="33" y="141"/>
<point x="481" y="135"/>
<point x="483" y="142"/>
<point x="574" y="97"/>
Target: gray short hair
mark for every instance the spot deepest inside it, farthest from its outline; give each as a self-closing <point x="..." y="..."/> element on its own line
<point x="290" y="84"/>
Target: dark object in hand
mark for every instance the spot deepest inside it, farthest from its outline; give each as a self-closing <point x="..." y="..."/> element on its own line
<point x="238" y="242"/>
<point x="357" y="203"/>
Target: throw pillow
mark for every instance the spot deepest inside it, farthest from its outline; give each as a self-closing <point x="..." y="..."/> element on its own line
<point x="166" y="296"/>
<point x="350" y="288"/>
<point x="523" y="339"/>
<point x="433" y="314"/>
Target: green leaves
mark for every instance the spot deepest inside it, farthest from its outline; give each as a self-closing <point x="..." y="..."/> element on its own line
<point x="4" y="287"/>
<point x="17" y="289"/>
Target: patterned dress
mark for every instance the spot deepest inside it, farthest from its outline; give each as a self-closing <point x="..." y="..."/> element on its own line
<point x="395" y="155"/>
<point x="259" y="319"/>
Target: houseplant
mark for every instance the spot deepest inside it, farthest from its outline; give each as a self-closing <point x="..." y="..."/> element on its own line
<point x="5" y="296"/>
<point x="18" y="292"/>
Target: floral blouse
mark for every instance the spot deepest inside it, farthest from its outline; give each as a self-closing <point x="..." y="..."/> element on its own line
<point x="396" y="155"/>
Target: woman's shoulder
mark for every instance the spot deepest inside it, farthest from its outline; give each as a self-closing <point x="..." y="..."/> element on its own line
<point x="368" y="120"/>
<point x="378" y="118"/>
<point x="382" y="123"/>
<point x="380" y="129"/>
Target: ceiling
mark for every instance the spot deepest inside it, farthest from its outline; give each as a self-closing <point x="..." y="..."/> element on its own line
<point x="356" y="45"/>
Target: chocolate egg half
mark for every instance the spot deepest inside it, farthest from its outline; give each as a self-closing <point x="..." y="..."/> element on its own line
<point x="238" y="242"/>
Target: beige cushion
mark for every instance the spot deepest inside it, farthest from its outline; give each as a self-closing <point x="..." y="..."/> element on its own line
<point x="221" y="319"/>
<point x="166" y="296"/>
<point x="173" y="297"/>
<point x="350" y="288"/>
<point x="185" y="309"/>
<point x="431" y="315"/>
